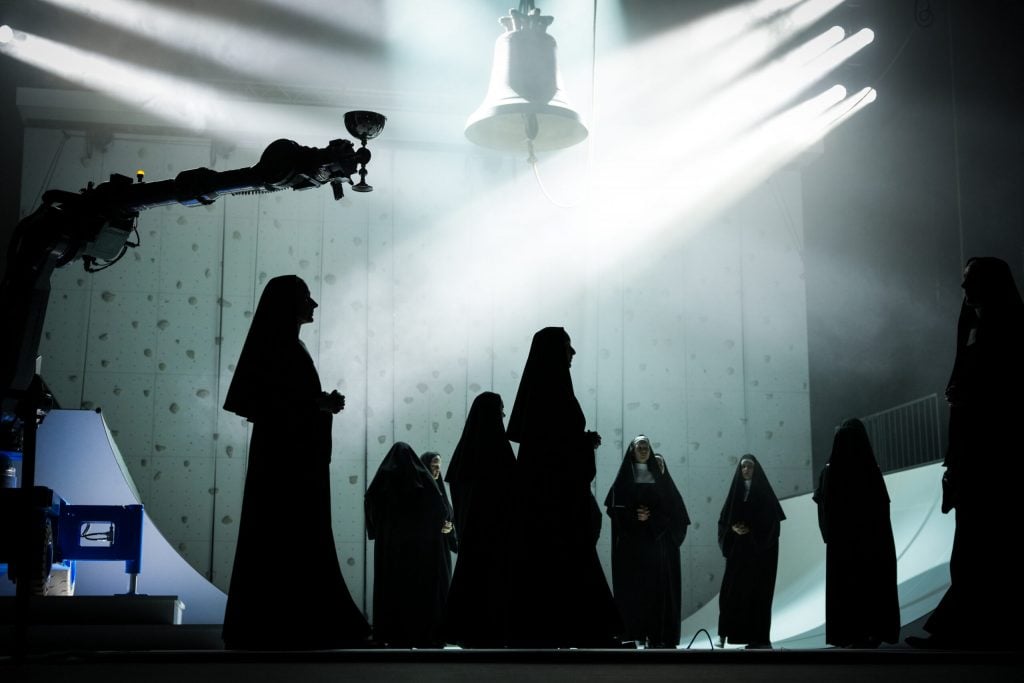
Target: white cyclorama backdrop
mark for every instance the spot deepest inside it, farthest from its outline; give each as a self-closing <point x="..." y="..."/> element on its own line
<point x="430" y="289"/>
<point x="80" y="460"/>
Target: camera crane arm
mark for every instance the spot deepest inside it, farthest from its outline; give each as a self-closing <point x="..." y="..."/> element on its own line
<point x="95" y="225"/>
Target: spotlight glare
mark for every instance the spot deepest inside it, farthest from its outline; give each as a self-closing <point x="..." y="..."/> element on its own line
<point x="194" y="107"/>
<point x="6" y="34"/>
<point x="245" y="47"/>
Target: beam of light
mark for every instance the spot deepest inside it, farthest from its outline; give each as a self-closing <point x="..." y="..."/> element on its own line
<point x="242" y="48"/>
<point x="716" y="122"/>
<point x="684" y="169"/>
<point x="180" y="103"/>
<point x="707" y="55"/>
<point x="362" y="19"/>
<point x="839" y="113"/>
<point x="686" y="197"/>
<point x="499" y="247"/>
<point x="697" y="39"/>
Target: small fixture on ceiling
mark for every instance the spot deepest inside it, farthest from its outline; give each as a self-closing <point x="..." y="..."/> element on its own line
<point x="525" y="107"/>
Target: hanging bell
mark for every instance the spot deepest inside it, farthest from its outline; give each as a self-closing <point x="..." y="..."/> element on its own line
<point x="525" y="102"/>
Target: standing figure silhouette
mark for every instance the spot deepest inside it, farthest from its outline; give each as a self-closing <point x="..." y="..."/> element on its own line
<point x="982" y="607"/>
<point x="406" y="517"/>
<point x="748" y="534"/>
<point x="649" y="523"/>
<point x="562" y="596"/>
<point x="286" y="590"/>
<point x="862" y="606"/>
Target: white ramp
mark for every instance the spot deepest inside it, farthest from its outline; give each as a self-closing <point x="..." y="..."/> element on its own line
<point x="77" y="458"/>
<point x="923" y="537"/>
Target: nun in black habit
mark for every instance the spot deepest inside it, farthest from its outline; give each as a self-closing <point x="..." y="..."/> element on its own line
<point x="982" y="608"/>
<point x="649" y="523"/>
<point x="481" y="476"/>
<point x="748" y="534"/>
<point x="286" y="589"/>
<point x="406" y="517"/>
<point x="562" y="596"/>
<point x="432" y="461"/>
<point x="862" y="606"/>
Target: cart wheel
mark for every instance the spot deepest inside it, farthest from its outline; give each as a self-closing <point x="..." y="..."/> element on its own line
<point x="42" y="559"/>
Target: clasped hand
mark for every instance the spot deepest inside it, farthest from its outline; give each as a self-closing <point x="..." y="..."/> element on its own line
<point x="333" y="402"/>
<point x="740" y="528"/>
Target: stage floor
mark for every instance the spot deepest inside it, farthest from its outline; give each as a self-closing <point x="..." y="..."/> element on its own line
<point x="155" y="653"/>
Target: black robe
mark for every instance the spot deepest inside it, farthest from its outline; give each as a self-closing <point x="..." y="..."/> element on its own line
<point x="286" y="589"/>
<point x="481" y="475"/>
<point x="862" y="606"/>
<point x="986" y="398"/>
<point x="451" y="539"/>
<point x="562" y="597"/>
<point x="751" y="559"/>
<point x="646" y="573"/>
<point x="404" y="516"/>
